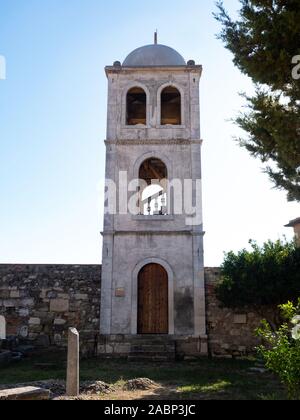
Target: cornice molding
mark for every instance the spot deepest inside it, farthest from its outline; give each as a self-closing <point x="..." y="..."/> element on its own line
<point x="153" y="232"/>
<point x="144" y="142"/>
<point x="153" y="69"/>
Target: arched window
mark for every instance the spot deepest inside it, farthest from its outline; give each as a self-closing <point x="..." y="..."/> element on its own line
<point x="153" y="175"/>
<point x="170" y="106"/>
<point x="136" y="107"/>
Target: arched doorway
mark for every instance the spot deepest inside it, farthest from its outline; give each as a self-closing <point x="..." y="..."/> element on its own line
<point x="153" y="300"/>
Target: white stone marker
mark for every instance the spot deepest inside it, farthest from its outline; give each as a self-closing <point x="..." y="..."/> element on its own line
<point x="73" y="363"/>
<point x="2" y="328"/>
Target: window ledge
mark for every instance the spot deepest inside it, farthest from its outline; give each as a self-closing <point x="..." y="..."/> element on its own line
<point x="172" y="126"/>
<point x="141" y="218"/>
<point x="136" y="127"/>
<point x="160" y="127"/>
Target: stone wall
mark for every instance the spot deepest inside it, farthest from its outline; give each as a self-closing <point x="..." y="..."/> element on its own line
<point x="231" y="333"/>
<point x="40" y="302"/>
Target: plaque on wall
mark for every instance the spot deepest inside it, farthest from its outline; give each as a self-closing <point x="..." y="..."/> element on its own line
<point x="120" y="292"/>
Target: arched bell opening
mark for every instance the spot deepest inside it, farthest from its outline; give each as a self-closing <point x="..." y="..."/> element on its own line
<point x="153" y="175"/>
<point x="136" y="107"/>
<point x="171" y="106"/>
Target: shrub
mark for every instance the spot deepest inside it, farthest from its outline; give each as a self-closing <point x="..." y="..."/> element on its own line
<point x="263" y="276"/>
<point x="281" y="350"/>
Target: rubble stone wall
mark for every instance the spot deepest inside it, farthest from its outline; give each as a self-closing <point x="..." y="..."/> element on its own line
<point x="230" y="332"/>
<point x="40" y="303"/>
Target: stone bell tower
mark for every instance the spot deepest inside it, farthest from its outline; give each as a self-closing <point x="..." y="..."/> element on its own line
<point x="153" y="270"/>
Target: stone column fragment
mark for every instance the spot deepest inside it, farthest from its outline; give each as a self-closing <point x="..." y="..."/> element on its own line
<point x="73" y="363"/>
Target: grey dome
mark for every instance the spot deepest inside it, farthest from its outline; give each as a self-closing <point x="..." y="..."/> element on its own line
<point x="154" y="55"/>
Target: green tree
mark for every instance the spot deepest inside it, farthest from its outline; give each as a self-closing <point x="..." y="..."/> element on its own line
<point x="261" y="277"/>
<point x="265" y="42"/>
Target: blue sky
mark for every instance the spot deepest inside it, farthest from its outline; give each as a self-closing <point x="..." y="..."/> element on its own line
<point x="53" y="123"/>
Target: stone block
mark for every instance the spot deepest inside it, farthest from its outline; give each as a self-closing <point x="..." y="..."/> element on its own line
<point x="14" y="294"/>
<point x="34" y="321"/>
<point x="225" y="346"/>
<point x="59" y="305"/>
<point x="24" y="394"/>
<point x="4" y="294"/>
<point x="240" y="319"/>
<point x="8" y="303"/>
<point x="43" y="293"/>
<point x="204" y="348"/>
<point x="51" y="295"/>
<point x="80" y="296"/>
<point x="63" y="296"/>
<point x="59" y="322"/>
<point x="23" y="313"/>
<point x="57" y="339"/>
<point x="101" y="349"/>
<point x="42" y="310"/>
<point x="122" y="348"/>
<point x="35" y="329"/>
<point x="23" y="331"/>
<point x="28" y="302"/>
<point x="109" y="349"/>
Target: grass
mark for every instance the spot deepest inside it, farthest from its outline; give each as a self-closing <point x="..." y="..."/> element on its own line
<point x="209" y="388"/>
<point x="203" y="379"/>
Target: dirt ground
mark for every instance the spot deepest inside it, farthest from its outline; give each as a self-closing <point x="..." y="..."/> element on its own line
<point x="157" y="392"/>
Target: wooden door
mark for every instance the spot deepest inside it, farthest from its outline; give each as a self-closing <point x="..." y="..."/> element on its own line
<point x="153" y="305"/>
